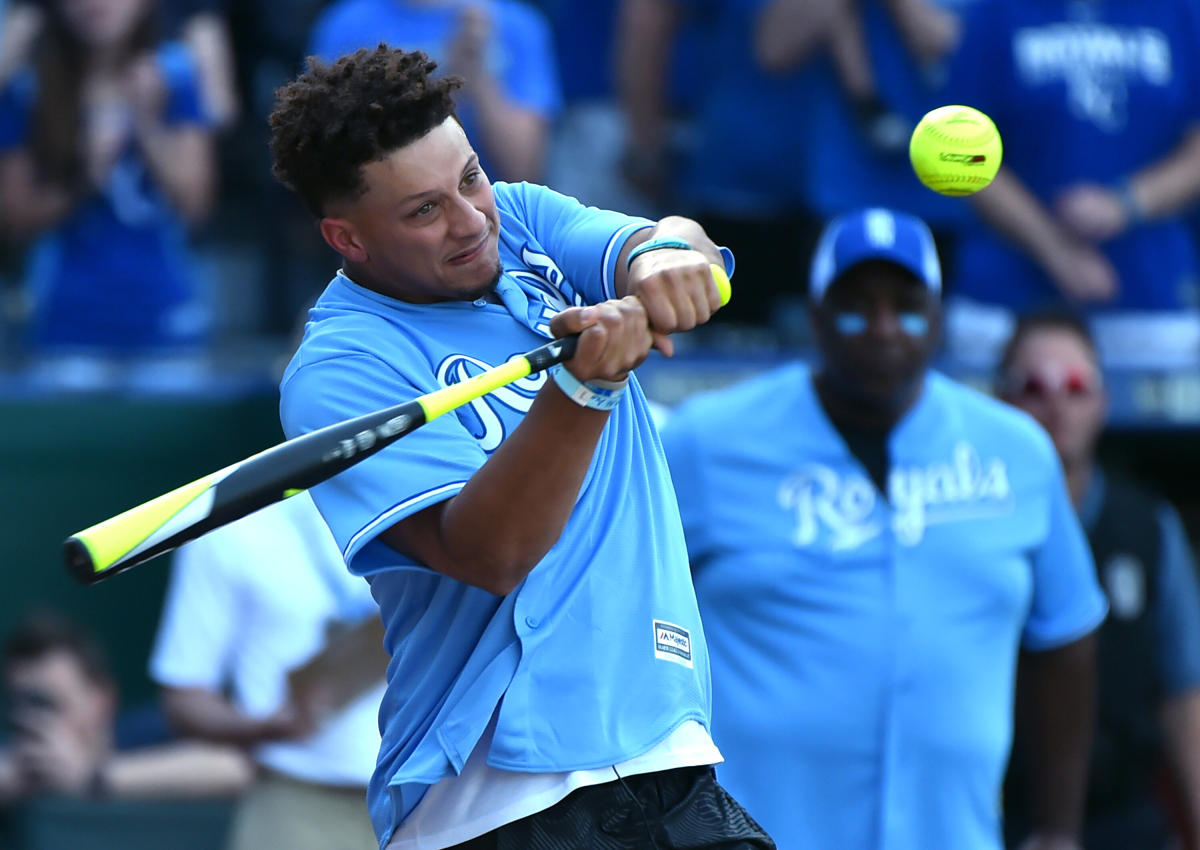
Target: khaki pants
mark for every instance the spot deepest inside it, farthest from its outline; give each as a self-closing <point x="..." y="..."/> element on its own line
<point x="278" y="813"/>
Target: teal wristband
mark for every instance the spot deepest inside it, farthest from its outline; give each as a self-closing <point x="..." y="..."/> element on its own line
<point x="598" y="395"/>
<point x="655" y="244"/>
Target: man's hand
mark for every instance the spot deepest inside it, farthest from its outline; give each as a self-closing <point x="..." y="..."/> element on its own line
<point x="677" y="289"/>
<point x="293" y="720"/>
<point x="468" y="49"/>
<point x="51" y="758"/>
<point x="1093" y="213"/>
<point x="614" y="338"/>
<point x="1081" y="272"/>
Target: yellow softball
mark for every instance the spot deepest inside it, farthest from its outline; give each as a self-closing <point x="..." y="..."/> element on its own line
<point x="955" y="150"/>
<point x="722" y="280"/>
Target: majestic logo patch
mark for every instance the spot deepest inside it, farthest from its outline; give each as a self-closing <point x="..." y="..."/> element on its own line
<point x="672" y="643"/>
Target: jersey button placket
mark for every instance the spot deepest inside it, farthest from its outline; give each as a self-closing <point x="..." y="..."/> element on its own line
<point x="890" y="818"/>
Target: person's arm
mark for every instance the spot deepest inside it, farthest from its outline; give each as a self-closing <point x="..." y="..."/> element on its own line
<point x="180" y="157"/>
<point x="199" y="633"/>
<point x="11" y="786"/>
<point x="1056" y="697"/>
<point x="21" y="24"/>
<point x="1166" y="187"/>
<point x="184" y="769"/>
<point x="788" y="32"/>
<point x="645" y="32"/>
<point x="205" y="714"/>
<point x="1077" y="268"/>
<point x="1177" y="633"/>
<point x="675" y="284"/>
<point x="513" y="509"/>
<point x="207" y="34"/>
<point x="929" y="30"/>
<point x="1097" y="213"/>
<point x="1181" y="739"/>
<point x="27" y="205"/>
<point x="514" y="136"/>
<point x="1058" y="701"/>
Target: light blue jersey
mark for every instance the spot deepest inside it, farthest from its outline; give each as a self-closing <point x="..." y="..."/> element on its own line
<point x="864" y="649"/>
<point x="598" y="655"/>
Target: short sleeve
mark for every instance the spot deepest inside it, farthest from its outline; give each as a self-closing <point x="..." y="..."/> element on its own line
<point x="428" y="466"/>
<point x="1177" y="620"/>
<point x="584" y="242"/>
<point x="185" y="104"/>
<point x="1067" y="600"/>
<point x="198" y="628"/>
<point x="351" y="594"/>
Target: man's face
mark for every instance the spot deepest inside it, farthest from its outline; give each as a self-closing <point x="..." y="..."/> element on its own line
<point x="877" y="327"/>
<point x="1055" y="379"/>
<point x="426" y="229"/>
<point x="53" y="692"/>
<point x="102" y="23"/>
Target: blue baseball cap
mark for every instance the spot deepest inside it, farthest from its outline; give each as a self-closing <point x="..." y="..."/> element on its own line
<point x="874" y="234"/>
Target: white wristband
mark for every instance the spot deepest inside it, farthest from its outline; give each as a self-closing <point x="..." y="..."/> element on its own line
<point x="598" y="395"/>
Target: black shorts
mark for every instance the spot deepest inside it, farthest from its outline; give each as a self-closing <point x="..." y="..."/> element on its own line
<point x="668" y="810"/>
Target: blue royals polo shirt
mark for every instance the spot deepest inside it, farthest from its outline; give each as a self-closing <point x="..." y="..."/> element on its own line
<point x="598" y="655"/>
<point x="864" y="647"/>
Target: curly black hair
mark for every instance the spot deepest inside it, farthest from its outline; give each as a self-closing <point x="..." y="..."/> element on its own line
<point x="333" y="119"/>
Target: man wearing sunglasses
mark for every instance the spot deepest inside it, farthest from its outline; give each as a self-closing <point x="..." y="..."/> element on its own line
<point x="1148" y="709"/>
<point x="870" y="543"/>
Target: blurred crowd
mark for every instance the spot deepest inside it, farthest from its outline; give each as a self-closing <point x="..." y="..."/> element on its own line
<point x="145" y="241"/>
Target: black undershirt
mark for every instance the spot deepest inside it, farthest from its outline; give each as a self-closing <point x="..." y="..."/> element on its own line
<point x="870" y="446"/>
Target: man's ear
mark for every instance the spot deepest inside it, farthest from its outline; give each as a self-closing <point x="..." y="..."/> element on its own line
<point x="341" y="236"/>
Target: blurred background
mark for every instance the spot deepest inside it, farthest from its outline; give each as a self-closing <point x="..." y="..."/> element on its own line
<point x="152" y="273"/>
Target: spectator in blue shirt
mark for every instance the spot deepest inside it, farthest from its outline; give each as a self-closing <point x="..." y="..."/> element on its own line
<point x="871" y="543"/>
<point x="106" y="157"/>
<point x="502" y="49"/>
<point x="1149" y="646"/>
<point x="1098" y="104"/>
<point x="782" y="135"/>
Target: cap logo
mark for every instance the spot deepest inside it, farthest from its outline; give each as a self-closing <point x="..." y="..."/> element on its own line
<point x="881" y="228"/>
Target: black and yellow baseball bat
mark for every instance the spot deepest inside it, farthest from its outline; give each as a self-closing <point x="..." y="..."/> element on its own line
<point x="168" y="521"/>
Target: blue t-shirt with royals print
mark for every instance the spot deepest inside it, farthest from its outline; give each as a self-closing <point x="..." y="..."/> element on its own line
<point x="598" y="655"/>
<point x="1082" y="92"/>
<point x="864" y="645"/>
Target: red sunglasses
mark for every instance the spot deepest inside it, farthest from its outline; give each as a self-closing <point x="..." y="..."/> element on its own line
<point x="1074" y="382"/>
